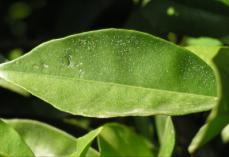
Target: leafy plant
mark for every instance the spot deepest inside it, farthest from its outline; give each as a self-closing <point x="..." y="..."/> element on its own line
<point x="115" y="72"/>
<point x="112" y="73"/>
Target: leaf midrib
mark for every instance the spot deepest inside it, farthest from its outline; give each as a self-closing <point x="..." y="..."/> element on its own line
<point x="101" y="82"/>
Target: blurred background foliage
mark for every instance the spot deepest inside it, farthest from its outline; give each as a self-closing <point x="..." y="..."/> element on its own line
<point x="25" y="24"/>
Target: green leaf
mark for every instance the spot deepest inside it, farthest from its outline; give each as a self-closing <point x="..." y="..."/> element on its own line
<point x="206" y="53"/>
<point x="204" y="41"/>
<point x="11" y="144"/>
<point x="15" y="53"/>
<point x="92" y="153"/>
<point x="219" y="116"/>
<point x="194" y="18"/>
<point x="166" y="134"/>
<point x="115" y="72"/>
<point x="225" y="134"/>
<point x="118" y="140"/>
<point x="226" y="2"/>
<point x="43" y="139"/>
<point x="144" y="126"/>
<point x="113" y="139"/>
<point x="83" y="143"/>
<point x="7" y="85"/>
<point x="10" y="86"/>
<point x="207" y="132"/>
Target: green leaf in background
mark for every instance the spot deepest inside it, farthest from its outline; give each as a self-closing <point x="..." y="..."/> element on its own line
<point x="114" y="140"/>
<point x="43" y="139"/>
<point x="92" y="153"/>
<point x="84" y="142"/>
<point x="166" y="134"/>
<point x="141" y="2"/>
<point x="11" y="144"/>
<point x="119" y="140"/>
<point x="15" y="53"/>
<point x="226" y="2"/>
<point x="115" y="72"/>
<point x="204" y="41"/>
<point x="206" y="53"/>
<point x="83" y="123"/>
<point x="19" y="10"/>
<point x="145" y="126"/>
<point x="219" y="116"/>
<point x="225" y="40"/>
<point x="225" y="134"/>
<point x="198" y="18"/>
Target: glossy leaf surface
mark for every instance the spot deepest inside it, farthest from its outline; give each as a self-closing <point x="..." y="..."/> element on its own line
<point x="10" y="86"/>
<point x="84" y="142"/>
<point x="114" y="72"/>
<point x="166" y="135"/>
<point x="219" y="117"/>
<point x="119" y="140"/>
<point x="43" y="139"/>
<point x="11" y="143"/>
